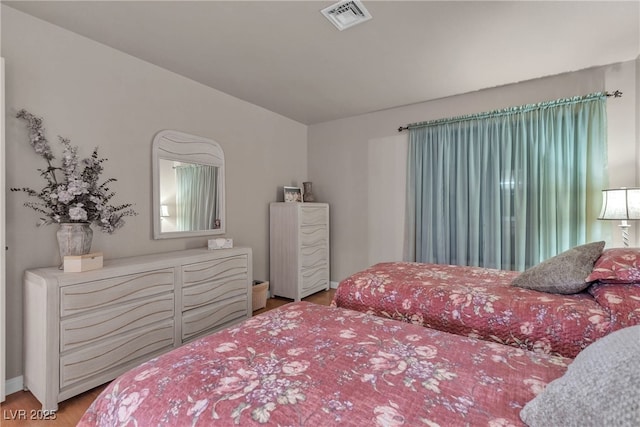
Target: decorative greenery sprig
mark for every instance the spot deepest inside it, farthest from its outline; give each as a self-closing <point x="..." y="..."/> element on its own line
<point x="72" y="192"/>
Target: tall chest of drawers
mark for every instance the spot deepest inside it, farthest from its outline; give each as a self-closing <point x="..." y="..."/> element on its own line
<point x="84" y="329"/>
<point x="299" y="249"/>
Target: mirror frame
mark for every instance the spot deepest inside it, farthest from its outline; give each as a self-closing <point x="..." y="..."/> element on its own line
<point x="183" y="147"/>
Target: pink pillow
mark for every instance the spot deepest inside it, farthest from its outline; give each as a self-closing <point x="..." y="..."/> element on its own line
<point x="621" y="300"/>
<point x="617" y="265"/>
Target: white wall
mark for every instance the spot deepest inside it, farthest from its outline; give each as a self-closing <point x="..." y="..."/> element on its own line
<point x="387" y="166"/>
<point x="98" y="96"/>
<point x="340" y="154"/>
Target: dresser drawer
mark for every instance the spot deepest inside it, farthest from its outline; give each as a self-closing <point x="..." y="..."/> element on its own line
<point x="107" y="357"/>
<point x="313" y="236"/>
<point x="208" y="293"/>
<point x="115" y="290"/>
<point x="315" y="278"/>
<point x="313" y="257"/>
<point x="214" y="316"/>
<point x="313" y="216"/>
<point x="103" y="324"/>
<point x="193" y="274"/>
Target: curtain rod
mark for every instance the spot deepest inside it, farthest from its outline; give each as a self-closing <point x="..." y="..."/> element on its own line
<point x="616" y="94"/>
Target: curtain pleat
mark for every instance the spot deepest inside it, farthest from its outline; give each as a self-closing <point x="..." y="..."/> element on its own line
<point x="506" y="189"/>
<point x="196" y="195"/>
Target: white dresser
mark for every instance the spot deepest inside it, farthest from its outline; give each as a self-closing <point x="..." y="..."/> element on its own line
<point x="84" y="329"/>
<point x="299" y="249"/>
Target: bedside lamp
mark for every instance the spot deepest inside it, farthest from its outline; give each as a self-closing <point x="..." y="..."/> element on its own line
<point x="622" y="204"/>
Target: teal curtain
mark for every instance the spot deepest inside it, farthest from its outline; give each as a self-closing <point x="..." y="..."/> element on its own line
<point x="509" y="188"/>
<point x="196" y="195"/>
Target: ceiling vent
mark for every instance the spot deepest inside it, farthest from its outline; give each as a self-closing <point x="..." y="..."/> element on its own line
<point x="346" y="14"/>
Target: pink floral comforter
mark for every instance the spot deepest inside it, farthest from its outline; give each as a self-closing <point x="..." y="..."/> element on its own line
<point x="305" y="364"/>
<point x="479" y="302"/>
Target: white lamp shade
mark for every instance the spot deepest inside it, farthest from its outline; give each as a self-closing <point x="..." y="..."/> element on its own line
<point x="620" y="203"/>
<point x="164" y="210"/>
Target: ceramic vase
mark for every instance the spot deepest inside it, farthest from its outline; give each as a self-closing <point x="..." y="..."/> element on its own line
<point x="308" y="194"/>
<point x="74" y="238"/>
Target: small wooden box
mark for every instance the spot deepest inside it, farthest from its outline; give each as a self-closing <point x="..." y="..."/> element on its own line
<point x="259" y="299"/>
<point x="76" y="264"/>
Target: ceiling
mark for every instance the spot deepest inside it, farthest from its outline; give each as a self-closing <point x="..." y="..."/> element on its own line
<point x="286" y="57"/>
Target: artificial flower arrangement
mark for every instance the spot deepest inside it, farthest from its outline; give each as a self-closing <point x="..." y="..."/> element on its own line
<point x="73" y="193"/>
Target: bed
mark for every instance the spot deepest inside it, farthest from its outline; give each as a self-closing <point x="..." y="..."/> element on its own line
<point x="483" y="303"/>
<point x="306" y="364"/>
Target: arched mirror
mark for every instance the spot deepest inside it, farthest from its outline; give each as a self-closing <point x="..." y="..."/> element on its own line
<point x="188" y="186"/>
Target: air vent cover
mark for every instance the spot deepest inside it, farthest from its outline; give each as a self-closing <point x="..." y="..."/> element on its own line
<point x="346" y="14"/>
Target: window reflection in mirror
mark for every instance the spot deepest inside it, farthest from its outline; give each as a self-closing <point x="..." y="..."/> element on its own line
<point x="188" y="196"/>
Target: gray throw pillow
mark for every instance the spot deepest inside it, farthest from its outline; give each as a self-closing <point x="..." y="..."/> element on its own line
<point x="565" y="273"/>
<point x="600" y="388"/>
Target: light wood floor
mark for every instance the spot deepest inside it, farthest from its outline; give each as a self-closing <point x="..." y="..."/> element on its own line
<point x="21" y="409"/>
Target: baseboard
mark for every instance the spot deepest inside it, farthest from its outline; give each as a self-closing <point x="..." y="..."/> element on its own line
<point x="13" y="385"/>
<point x="334" y="285"/>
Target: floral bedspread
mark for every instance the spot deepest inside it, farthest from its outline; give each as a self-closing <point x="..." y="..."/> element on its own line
<point x="479" y="302"/>
<point x="622" y="301"/>
<point x="312" y="365"/>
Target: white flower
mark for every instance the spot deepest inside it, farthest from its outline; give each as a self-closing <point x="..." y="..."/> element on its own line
<point x="526" y="328"/>
<point x="77" y="213"/>
<point x="347" y="333"/>
<point x="197" y="408"/>
<point x="64" y="196"/>
<point x="78" y="187"/>
<point x="388" y="416"/>
<point x="226" y="346"/>
<point x="295" y="367"/>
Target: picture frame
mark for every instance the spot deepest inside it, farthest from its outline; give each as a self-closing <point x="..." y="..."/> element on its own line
<point x="292" y="194"/>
